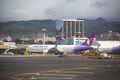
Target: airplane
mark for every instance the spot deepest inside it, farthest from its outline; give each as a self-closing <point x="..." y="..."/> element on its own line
<point x="109" y="48"/>
<point x="63" y="48"/>
<point x="115" y="49"/>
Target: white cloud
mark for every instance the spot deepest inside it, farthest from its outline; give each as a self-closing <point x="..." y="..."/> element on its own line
<point x="57" y="9"/>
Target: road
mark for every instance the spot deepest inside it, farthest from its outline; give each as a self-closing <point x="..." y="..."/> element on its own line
<point x="55" y="68"/>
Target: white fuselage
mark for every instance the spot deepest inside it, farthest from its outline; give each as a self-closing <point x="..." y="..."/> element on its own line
<point x="45" y="48"/>
<point x="104" y="46"/>
<point x="108" y="45"/>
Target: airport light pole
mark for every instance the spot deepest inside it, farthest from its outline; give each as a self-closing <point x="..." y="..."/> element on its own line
<point x="44" y="30"/>
<point x="23" y="37"/>
<point x="79" y="33"/>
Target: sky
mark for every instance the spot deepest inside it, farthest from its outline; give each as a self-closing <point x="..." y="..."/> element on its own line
<point x="11" y="10"/>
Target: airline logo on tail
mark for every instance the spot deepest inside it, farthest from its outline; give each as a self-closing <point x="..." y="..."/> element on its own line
<point x="89" y="41"/>
<point x="86" y="45"/>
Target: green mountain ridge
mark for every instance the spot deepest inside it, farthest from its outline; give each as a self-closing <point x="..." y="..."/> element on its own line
<point x="18" y="28"/>
<point x="27" y="27"/>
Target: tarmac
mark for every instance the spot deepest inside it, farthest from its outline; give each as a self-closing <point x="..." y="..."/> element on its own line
<point x="52" y="67"/>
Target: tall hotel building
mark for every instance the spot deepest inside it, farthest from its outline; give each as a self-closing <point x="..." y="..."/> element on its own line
<point x="72" y="27"/>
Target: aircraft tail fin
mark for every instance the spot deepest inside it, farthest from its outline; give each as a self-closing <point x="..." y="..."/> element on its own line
<point x="56" y="45"/>
<point x="89" y="41"/>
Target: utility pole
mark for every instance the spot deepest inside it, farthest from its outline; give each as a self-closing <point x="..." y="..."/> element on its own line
<point x="23" y="37"/>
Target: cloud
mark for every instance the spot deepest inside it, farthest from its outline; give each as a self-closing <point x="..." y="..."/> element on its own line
<point x="57" y="9"/>
<point x="98" y="4"/>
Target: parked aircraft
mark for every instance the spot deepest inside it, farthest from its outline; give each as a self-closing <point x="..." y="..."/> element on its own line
<point x="63" y="48"/>
<point x="110" y="48"/>
<point x="115" y="49"/>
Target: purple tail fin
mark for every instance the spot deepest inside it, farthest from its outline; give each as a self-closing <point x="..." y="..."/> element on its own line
<point x="89" y="41"/>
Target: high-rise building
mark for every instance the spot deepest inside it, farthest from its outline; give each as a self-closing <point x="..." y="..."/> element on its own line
<point x="72" y="27"/>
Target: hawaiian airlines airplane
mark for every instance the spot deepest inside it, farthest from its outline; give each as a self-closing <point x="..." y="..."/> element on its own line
<point x="64" y="48"/>
<point x="115" y="49"/>
<point x="109" y="46"/>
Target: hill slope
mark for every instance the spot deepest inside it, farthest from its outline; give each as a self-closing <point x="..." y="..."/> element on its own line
<point x="27" y="27"/>
<point x="18" y="28"/>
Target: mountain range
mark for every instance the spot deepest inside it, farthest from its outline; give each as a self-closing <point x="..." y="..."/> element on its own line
<point x="18" y="28"/>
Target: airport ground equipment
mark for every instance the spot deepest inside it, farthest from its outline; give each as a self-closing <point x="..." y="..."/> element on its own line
<point x="27" y="51"/>
<point x="7" y="50"/>
<point x="3" y="48"/>
<point x="95" y="54"/>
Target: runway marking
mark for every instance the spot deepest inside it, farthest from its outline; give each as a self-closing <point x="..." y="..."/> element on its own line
<point x="58" y="70"/>
<point x="75" y="72"/>
<point x="75" y="68"/>
<point x="49" y="74"/>
<point x="26" y="74"/>
<point x="33" y="78"/>
<point x="55" y="78"/>
<point x="23" y="74"/>
<point x="64" y="74"/>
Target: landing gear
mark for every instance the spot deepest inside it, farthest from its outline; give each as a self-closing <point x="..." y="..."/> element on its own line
<point x="61" y="54"/>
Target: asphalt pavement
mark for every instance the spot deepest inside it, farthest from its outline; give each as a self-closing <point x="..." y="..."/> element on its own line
<point x="55" y="68"/>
